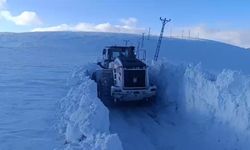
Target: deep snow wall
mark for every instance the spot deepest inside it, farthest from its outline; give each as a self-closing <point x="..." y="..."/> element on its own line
<point x="84" y="119"/>
<point x="223" y="98"/>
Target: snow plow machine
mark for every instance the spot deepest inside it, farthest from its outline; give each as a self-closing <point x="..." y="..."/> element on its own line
<point x="122" y="76"/>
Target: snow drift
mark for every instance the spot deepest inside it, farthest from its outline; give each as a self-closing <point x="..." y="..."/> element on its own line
<point x="85" y="120"/>
<point x="223" y="98"/>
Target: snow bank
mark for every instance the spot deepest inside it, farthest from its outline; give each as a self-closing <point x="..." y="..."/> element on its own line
<point x="84" y="119"/>
<point x="223" y="98"/>
<point x="169" y="81"/>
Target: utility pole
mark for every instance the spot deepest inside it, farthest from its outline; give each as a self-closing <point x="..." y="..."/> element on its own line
<point x="149" y="30"/>
<point x="142" y="40"/>
<point x="138" y="47"/>
<point x="170" y="33"/>
<point x="126" y="42"/>
<point x="164" y="22"/>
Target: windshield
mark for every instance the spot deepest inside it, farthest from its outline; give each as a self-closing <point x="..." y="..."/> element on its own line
<point x="117" y="54"/>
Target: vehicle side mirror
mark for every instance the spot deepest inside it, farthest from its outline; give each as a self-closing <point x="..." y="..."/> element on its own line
<point x="99" y="63"/>
<point x="104" y="52"/>
<point x="99" y="59"/>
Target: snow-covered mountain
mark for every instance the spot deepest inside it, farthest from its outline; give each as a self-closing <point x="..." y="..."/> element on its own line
<point x="46" y="97"/>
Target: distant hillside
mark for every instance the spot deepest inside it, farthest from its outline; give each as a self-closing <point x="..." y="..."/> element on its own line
<point x="212" y="55"/>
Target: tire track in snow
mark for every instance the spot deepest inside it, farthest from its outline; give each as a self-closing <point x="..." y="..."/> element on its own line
<point x="140" y="127"/>
<point x="158" y="127"/>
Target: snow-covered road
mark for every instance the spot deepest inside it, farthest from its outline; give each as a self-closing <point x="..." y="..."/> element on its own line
<point x="139" y="127"/>
<point x="156" y="128"/>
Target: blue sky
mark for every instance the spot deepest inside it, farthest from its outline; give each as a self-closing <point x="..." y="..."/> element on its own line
<point x="204" y="18"/>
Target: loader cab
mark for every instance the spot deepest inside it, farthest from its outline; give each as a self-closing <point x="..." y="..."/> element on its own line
<point x="112" y="52"/>
<point x="119" y="51"/>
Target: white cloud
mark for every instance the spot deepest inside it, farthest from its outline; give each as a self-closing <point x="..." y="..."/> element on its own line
<point x="126" y="26"/>
<point x="25" y="18"/>
<point x="235" y="37"/>
<point x="129" y="22"/>
<point x="2" y="3"/>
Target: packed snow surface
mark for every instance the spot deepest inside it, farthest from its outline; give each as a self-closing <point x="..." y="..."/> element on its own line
<point x="48" y="101"/>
